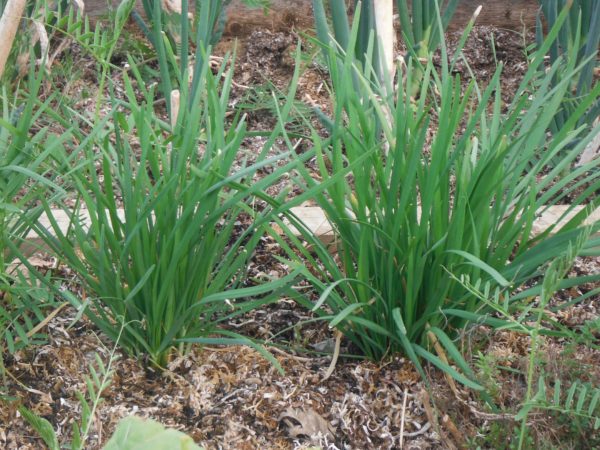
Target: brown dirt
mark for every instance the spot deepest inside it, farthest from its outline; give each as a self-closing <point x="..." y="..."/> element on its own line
<point x="224" y="398"/>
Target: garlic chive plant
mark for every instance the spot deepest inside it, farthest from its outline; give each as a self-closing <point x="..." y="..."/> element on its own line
<point x="456" y="193"/>
<point x="366" y="51"/>
<point x="373" y="45"/>
<point x="178" y="28"/>
<point x="423" y="24"/>
<point x="27" y="172"/>
<point x="578" y="38"/>
<point x="164" y="251"/>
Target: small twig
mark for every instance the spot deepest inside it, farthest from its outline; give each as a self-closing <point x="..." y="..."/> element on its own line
<point x="227" y="397"/>
<point x="289" y="355"/>
<point x="442" y="355"/>
<point x="451" y="427"/>
<point x="403" y="418"/>
<point x="484" y="415"/>
<point x="61" y="48"/>
<point x="274" y="349"/>
<point x="242" y="324"/>
<point x="487" y="416"/>
<point x="431" y="416"/>
<point x="297" y="144"/>
<point x="5" y="371"/>
<point x="419" y="432"/>
<point x="336" y="354"/>
<point x="238" y="85"/>
<point x="175" y="99"/>
<point x="44" y="322"/>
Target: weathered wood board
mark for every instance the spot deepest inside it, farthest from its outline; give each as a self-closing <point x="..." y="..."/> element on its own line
<point x="315" y="220"/>
<point x="285" y="14"/>
<point x="511" y="14"/>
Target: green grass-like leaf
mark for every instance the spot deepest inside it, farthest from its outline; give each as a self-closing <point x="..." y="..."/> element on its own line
<point x="42" y="427"/>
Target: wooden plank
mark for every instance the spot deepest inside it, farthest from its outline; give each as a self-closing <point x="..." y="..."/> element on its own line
<point x="511" y="14"/>
<point x="313" y="217"/>
<point x="285" y="14"/>
<point x="241" y="20"/>
<point x="317" y="222"/>
<point x="35" y="244"/>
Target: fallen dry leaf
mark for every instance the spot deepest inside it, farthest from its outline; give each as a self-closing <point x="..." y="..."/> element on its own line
<point x="311" y="423"/>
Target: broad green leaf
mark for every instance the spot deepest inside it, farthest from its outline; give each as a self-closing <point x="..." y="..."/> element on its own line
<point x="134" y="433"/>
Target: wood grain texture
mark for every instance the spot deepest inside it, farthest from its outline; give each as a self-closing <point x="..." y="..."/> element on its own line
<point x="241" y="20"/>
<point x="9" y="23"/>
<point x="312" y="216"/>
<point x="286" y="14"/>
<point x="511" y="14"/>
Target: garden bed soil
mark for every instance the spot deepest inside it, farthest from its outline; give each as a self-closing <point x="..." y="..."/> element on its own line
<point x="231" y="398"/>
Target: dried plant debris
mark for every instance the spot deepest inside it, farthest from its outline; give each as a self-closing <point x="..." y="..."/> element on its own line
<point x="225" y="398"/>
<point x="306" y="423"/>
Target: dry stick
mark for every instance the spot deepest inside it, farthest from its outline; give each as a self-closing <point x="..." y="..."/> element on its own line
<point x="431" y="417"/>
<point x="424" y="429"/>
<point x="8" y="28"/>
<point x="384" y="24"/>
<point x="484" y="415"/>
<point x="274" y="349"/>
<point x="175" y="99"/>
<point x="31" y="332"/>
<point x="446" y="421"/>
<point x="451" y="427"/>
<point x="289" y="355"/>
<point x="64" y="44"/>
<point x="44" y="322"/>
<point x="403" y="418"/>
<point x="442" y="355"/>
<point x="336" y="354"/>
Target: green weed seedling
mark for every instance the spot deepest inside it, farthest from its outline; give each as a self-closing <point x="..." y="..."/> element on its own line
<point x="581" y="401"/>
<point x="98" y="381"/>
<point x="554" y="274"/>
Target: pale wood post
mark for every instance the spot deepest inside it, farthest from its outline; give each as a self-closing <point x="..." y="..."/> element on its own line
<point x="9" y="23"/>
<point x="384" y="24"/>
